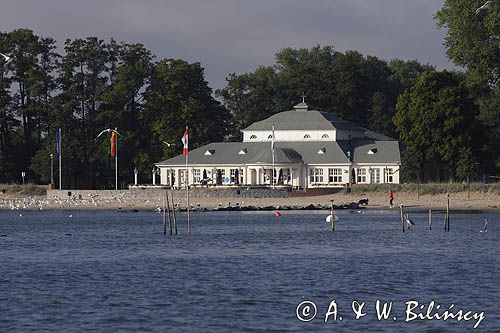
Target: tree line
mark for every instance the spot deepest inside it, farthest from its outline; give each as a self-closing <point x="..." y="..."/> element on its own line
<point x="92" y="86"/>
<point x="447" y="121"/>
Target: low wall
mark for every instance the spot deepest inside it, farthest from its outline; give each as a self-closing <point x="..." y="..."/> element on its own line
<point x="153" y="193"/>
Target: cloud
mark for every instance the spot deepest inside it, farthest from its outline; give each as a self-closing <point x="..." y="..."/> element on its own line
<point x="237" y="35"/>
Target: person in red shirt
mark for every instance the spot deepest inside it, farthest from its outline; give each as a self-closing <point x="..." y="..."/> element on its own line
<point x="391" y="198"/>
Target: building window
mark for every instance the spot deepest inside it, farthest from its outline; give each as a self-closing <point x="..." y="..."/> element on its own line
<point x="232" y="173"/>
<point x="325" y="136"/>
<point x="196" y="176"/>
<point x="307" y="136"/>
<point x="253" y="137"/>
<point x="223" y="175"/>
<point x="316" y="175"/>
<point x="376" y="176"/>
<point x="335" y="175"/>
<point x="361" y="175"/>
<point x="182" y="177"/>
<point x="389" y="175"/>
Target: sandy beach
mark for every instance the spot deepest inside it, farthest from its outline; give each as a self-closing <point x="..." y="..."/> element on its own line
<point x="376" y="200"/>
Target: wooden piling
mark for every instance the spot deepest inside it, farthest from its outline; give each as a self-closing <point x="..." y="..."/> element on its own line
<point x="169" y="212"/>
<point x="402" y="217"/>
<point x="430" y="219"/>
<point x="164" y="197"/>
<point x="447" y="226"/>
<point x="173" y="213"/>
<point x="333" y="216"/>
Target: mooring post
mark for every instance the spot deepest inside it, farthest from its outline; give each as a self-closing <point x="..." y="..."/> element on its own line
<point x="333" y="216"/>
<point x="430" y="219"/>
<point x="164" y="214"/>
<point x="169" y="213"/>
<point x="402" y="216"/>
<point x="173" y="213"/>
<point x="447" y="227"/>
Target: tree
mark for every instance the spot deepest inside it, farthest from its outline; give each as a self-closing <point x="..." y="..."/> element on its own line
<point x="179" y="96"/>
<point x="473" y="41"/>
<point x="436" y="121"/>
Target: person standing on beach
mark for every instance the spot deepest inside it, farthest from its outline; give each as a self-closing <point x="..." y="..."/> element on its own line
<point x="391" y="198"/>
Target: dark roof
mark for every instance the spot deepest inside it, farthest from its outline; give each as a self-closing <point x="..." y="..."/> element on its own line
<point x="228" y="153"/>
<point x="304" y="120"/>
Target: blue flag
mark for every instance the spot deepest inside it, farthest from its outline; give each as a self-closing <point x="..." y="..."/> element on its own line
<point x="58" y="141"/>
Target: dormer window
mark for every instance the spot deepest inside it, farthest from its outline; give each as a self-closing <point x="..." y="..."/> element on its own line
<point x="307" y="136"/>
<point x="243" y="151"/>
<point x="325" y="136"/>
<point x="210" y="152"/>
<point x="322" y="151"/>
<point x="372" y="151"/>
<point x="253" y="137"/>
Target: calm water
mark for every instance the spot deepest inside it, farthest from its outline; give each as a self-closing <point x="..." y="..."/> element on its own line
<point x="110" y="271"/>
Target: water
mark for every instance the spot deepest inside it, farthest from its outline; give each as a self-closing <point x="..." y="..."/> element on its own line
<point x="104" y="271"/>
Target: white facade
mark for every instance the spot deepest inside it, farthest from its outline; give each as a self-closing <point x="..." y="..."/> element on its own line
<point x="331" y="153"/>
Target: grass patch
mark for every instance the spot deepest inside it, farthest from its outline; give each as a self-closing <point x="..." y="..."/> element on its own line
<point x="24" y="190"/>
<point x="427" y="188"/>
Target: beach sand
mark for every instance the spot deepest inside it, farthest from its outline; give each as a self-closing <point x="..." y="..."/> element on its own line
<point x="458" y="201"/>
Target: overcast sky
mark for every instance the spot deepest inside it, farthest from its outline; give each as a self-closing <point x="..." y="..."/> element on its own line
<point x="228" y="36"/>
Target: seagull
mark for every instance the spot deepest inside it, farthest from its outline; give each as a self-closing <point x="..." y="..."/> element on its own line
<point x="484" y="7"/>
<point x="107" y="130"/>
<point x="6" y="57"/>
<point x="485" y="228"/>
<point x="409" y="221"/>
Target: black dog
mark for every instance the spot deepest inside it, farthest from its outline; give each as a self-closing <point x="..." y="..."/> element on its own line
<point x="363" y="202"/>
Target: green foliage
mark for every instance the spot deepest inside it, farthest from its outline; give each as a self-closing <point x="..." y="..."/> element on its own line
<point x="436" y="121"/>
<point x="425" y="188"/>
<point x="23" y="190"/>
<point x="473" y="41"/>
<point x="350" y="85"/>
<point x="179" y="96"/>
<point x="96" y="85"/>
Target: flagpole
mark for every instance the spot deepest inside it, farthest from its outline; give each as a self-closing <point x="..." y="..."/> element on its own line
<point x="272" y="151"/>
<point x="116" y="158"/>
<point x="187" y="185"/>
<point x="60" y="159"/>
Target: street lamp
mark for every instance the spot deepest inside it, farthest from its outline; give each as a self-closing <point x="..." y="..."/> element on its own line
<point x="114" y="149"/>
<point x="23" y="174"/>
<point x="136" y="172"/>
<point x="51" y="169"/>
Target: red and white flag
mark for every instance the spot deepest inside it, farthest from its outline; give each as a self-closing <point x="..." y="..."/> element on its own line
<point x="185" y="141"/>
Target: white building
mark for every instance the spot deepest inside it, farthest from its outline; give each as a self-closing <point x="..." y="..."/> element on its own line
<point x="312" y="149"/>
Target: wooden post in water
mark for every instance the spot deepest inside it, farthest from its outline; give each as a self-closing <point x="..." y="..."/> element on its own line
<point x="430" y="219"/>
<point x="173" y="213"/>
<point x="333" y="216"/>
<point x="447" y="227"/>
<point x="169" y="213"/>
<point x="402" y="217"/>
<point x="164" y="197"/>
